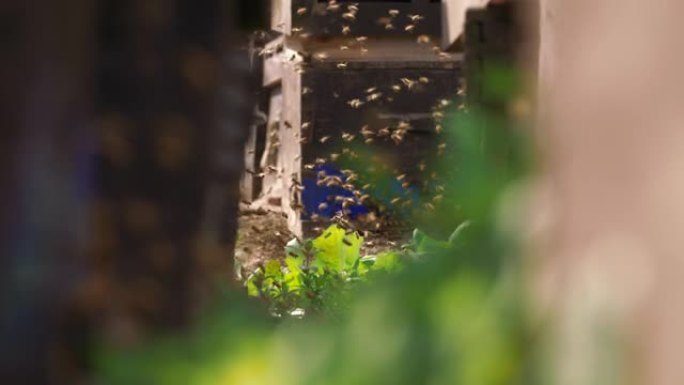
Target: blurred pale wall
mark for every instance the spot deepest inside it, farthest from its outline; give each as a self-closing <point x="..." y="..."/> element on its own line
<point x="611" y="213"/>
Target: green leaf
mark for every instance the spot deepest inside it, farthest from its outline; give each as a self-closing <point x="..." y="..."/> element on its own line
<point x="272" y="269"/>
<point x="388" y="261"/>
<point x="252" y="289"/>
<point x="336" y="250"/>
<point x="293" y="276"/>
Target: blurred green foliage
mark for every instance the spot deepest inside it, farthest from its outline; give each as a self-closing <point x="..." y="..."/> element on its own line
<point x="457" y="315"/>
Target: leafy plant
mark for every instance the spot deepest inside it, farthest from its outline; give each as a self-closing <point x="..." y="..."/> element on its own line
<point x="317" y="275"/>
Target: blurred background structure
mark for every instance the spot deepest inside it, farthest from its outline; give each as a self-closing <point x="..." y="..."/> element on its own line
<point x="123" y="123"/>
<point x="338" y="74"/>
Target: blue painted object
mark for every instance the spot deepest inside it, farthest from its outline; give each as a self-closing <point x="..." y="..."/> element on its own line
<point x="313" y="195"/>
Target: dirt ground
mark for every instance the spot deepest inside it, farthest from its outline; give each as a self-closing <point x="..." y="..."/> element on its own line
<point x="262" y="236"/>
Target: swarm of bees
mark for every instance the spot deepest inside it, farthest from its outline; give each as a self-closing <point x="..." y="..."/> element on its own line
<point x="395" y="132"/>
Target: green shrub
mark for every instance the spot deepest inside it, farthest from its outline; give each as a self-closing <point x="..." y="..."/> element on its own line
<point x="317" y="275"/>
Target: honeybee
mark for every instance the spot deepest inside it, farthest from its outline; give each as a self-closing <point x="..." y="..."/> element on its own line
<point x="355" y="103"/>
<point x="349" y="16"/>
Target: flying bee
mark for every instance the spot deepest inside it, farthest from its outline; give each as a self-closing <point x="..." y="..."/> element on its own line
<point x="306" y="90"/>
<point x="409" y="83"/>
<point x="429" y="206"/>
<point x="324" y="139"/>
<point x="371" y="90"/>
<point x="366" y="132"/>
<point x="423" y="39"/>
<point x="410" y="28"/>
<point x="396" y="88"/>
<point x="306" y="125"/>
<point x="439" y="188"/>
<point x="438" y="198"/>
<point x="441" y="148"/>
<point x="389" y="26"/>
<point x="321" y="174"/>
<point x="405" y="185"/>
<point x="364" y="50"/>
<point x="333" y="6"/>
<point x="334" y="157"/>
<point x="393" y="12"/>
<point x="344" y="48"/>
<point x="309" y="166"/>
<point x="384" y="131"/>
<point x="342" y="65"/>
<point x="397" y="136"/>
<point x="301" y="11"/>
<point x="322" y="206"/>
<point x="355" y="103"/>
<point x="347" y="137"/>
<point x="320" y="161"/>
<point x="366" y="186"/>
<point x="374" y="96"/>
<point x="439" y="128"/>
<point x="395" y="201"/>
<point x="346" y="30"/>
<point x="361" y="39"/>
<point x="368" y="141"/>
<point x="401" y="177"/>
<point x="438" y="115"/>
<point x="349" y="16"/>
<point x="333" y="181"/>
<point x="415" y="18"/>
<point x="423" y="80"/>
